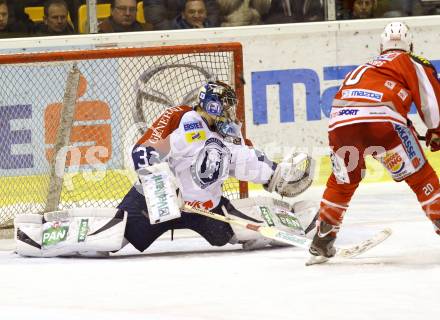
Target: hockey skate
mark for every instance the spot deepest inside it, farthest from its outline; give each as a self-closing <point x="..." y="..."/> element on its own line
<point x="436" y="224"/>
<point x="322" y="246"/>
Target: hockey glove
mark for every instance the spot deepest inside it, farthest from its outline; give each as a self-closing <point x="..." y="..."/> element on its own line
<point x="433" y="139"/>
<point x="292" y="176"/>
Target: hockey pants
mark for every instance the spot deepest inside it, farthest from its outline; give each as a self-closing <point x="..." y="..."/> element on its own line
<point x="397" y="148"/>
<point x="141" y="234"/>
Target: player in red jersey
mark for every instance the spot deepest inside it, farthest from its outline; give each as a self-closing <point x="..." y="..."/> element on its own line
<point x="369" y="116"/>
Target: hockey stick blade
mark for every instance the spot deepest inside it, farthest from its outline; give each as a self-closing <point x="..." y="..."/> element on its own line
<point x="355" y="250"/>
<point x="295" y="240"/>
<point x="365" y="245"/>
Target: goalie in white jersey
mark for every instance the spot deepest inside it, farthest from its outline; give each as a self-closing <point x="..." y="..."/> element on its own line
<point x="185" y="157"/>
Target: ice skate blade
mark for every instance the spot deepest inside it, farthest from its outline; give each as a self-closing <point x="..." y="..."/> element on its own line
<point x="316" y="260"/>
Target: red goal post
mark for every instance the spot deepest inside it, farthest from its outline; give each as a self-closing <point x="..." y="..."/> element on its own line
<point x="68" y="118"/>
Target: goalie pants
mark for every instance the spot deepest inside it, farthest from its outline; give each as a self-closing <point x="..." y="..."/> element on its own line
<point x="141" y="234"/>
<point x="403" y="158"/>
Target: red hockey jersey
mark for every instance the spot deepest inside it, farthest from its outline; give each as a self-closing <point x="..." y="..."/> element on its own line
<point x="384" y="89"/>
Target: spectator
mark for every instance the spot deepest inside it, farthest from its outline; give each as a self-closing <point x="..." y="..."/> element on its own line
<point x="366" y="9"/>
<point x="193" y="16"/>
<point x="122" y="18"/>
<point x="239" y="13"/>
<point x="72" y="7"/>
<point x="19" y="18"/>
<point x="10" y="27"/>
<point x="4" y="14"/>
<point x="424" y="7"/>
<point x="399" y="8"/>
<point x="288" y="11"/>
<point x="55" y="20"/>
<point x="262" y="6"/>
<point x="161" y="13"/>
<point x="19" y="6"/>
<point x="363" y="9"/>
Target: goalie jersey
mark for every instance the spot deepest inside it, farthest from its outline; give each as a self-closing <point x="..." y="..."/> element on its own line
<point x="378" y="97"/>
<point x="200" y="159"/>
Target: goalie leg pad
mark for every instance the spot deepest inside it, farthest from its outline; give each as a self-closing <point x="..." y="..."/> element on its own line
<point x="307" y="213"/>
<point x="28" y="233"/>
<point x="269" y="212"/>
<point x="68" y="232"/>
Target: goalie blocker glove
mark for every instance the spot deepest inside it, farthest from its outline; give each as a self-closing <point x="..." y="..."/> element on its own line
<point x="159" y="188"/>
<point x="292" y="176"/>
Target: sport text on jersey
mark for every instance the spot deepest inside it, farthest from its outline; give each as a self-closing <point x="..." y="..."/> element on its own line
<point x="344" y="112"/>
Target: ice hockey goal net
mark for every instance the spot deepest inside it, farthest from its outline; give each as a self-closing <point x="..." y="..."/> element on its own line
<point x="68" y="119"/>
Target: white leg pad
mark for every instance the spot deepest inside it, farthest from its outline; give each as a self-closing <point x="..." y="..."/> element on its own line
<point x="306" y="211"/>
<point x="69" y="232"/>
<point x="270" y="212"/>
<point x="28" y="232"/>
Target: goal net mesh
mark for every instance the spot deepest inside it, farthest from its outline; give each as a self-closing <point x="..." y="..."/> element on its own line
<point x="117" y="98"/>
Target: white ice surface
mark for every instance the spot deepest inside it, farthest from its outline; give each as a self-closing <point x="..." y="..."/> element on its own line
<point x="188" y="279"/>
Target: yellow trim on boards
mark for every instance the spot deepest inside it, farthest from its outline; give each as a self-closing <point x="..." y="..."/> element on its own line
<point x="79" y="187"/>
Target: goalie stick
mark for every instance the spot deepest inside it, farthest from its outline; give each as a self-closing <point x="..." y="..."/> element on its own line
<point x="295" y="240"/>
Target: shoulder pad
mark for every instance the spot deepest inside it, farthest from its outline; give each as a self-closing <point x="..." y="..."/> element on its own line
<point x="421" y="60"/>
<point x="165" y="124"/>
<point x="191" y="114"/>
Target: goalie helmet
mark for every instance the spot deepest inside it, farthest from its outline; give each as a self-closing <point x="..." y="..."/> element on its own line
<point x="219" y="101"/>
<point x="396" y="35"/>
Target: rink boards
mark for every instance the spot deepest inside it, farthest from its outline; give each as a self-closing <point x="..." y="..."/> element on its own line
<point x="79" y="188"/>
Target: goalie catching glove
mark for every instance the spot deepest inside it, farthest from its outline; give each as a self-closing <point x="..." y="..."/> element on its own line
<point x="292" y="176"/>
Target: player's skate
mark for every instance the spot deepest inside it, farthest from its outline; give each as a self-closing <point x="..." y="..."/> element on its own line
<point x="322" y="247"/>
<point x="436" y="224"/>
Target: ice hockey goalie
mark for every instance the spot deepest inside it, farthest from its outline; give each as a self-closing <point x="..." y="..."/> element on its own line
<point x="184" y="157"/>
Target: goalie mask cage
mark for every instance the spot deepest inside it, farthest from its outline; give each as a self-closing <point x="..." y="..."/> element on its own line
<point x="68" y="120"/>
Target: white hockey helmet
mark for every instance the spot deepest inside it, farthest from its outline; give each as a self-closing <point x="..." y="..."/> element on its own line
<point x="396" y="35"/>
